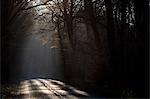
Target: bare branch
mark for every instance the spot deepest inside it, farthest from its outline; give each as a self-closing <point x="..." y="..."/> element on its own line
<point x="45" y="3"/>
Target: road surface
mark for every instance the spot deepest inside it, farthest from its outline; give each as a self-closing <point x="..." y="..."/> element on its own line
<point x="45" y="89"/>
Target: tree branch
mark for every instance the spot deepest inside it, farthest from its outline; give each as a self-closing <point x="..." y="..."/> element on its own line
<point x="45" y="3"/>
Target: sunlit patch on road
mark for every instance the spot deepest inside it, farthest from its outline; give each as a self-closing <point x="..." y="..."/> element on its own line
<point x="47" y="88"/>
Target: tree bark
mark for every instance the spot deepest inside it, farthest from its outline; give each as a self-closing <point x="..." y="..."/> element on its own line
<point x="110" y="32"/>
<point x="92" y="20"/>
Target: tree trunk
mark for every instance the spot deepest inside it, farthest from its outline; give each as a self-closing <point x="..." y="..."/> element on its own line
<point x="92" y="20"/>
<point x="111" y="33"/>
<point x="142" y="60"/>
